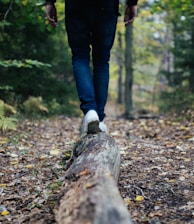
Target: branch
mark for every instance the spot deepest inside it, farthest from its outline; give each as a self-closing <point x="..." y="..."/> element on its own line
<point x="8" y="10"/>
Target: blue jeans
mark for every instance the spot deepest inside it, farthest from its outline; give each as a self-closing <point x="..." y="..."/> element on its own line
<point x="91" y="32"/>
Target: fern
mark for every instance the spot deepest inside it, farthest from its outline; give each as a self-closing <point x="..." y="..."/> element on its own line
<point x="1" y="109"/>
<point x="34" y="106"/>
<point x="6" y="123"/>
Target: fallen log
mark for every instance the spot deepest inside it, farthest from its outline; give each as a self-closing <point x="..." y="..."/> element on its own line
<point x="90" y="194"/>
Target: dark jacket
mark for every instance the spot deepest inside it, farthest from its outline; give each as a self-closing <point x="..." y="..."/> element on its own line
<point x="97" y="3"/>
<point x="116" y="2"/>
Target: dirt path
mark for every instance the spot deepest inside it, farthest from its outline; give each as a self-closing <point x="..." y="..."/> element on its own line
<point x="156" y="181"/>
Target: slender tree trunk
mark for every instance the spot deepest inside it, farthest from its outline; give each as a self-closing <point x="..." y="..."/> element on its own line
<point x="120" y="64"/>
<point x="128" y="70"/>
<point x="191" y="76"/>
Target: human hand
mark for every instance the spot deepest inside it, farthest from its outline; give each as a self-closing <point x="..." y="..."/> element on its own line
<point x="130" y="14"/>
<point x="51" y="14"/>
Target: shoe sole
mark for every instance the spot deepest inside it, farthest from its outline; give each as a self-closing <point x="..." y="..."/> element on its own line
<point x="93" y="127"/>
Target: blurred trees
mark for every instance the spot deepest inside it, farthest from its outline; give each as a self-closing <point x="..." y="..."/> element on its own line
<point x="34" y="58"/>
<point x="178" y="18"/>
<point x="162" y="56"/>
<point x="178" y="55"/>
<point x="136" y="53"/>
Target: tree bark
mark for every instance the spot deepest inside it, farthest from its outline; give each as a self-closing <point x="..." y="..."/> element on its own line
<point x="90" y="194"/>
<point x="120" y="98"/>
<point x="128" y="70"/>
<point x="191" y="64"/>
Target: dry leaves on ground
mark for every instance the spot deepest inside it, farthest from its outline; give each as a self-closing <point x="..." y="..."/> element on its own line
<point x="156" y="180"/>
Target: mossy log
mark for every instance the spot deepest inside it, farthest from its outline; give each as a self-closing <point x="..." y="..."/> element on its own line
<point x="90" y="194"/>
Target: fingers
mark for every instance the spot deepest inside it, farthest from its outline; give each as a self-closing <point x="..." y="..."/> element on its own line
<point x="51" y="14"/>
<point x="52" y="19"/>
<point x="130" y="14"/>
<point x="52" y="22"/>
<point x="128" y="20"/>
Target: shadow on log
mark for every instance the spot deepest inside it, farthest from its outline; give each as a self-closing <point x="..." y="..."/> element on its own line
<point x="90" y="194"/>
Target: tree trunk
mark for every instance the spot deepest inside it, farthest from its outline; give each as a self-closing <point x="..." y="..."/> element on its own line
<point x="191" y="64"/>
<point x="128" y="70"/>
<point x="90" y="194"/>
<point x="120" y="72"/>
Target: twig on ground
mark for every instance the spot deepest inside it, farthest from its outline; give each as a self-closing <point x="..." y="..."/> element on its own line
<point x="138" y="188"/>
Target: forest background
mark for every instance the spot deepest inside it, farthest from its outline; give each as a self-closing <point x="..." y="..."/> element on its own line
<point x="36" y="76"/>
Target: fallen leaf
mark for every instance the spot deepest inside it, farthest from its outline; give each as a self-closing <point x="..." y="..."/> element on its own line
<point x="84" y="172"/>
<point x="3" y="140"/>
<point x="3" y="210"/>
<point x="183" y="128"/>
<point x="88" y="185"/>
<point x="170" y="145"/>
<point x="29" y="166"/>
<point x="13" y="155"/>
<point x="170" y="181"/>
<point x="14" y="162"/>
<point x="181" y="178"/>
<point x="67" y="155"/>
<point x="191" y="139"/>
<point x="43" y="157"/>
<point x="139" y="198"/>
<point x="187" y="159"/>
<point x="4" y="213"/>
<point x="54" y="152"/>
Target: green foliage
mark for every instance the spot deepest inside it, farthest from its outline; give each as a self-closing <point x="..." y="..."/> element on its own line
<point x="176" y="100"/>
<point x="7" y="123"/>
<point x="177" y="55"/>
<point x="35" y="60"/>
<point x="179" y="20"/>
<point x="26" y="63"/>
<point x="34" y="106"/>
<point x="6" y="88"/>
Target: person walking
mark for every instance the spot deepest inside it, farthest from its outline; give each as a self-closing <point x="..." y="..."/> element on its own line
<point x="91" y="26"/>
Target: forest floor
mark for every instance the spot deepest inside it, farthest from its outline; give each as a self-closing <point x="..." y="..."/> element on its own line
<point x="157" y="170"/>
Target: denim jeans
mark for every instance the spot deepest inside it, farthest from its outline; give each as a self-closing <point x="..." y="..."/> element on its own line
<point x="91" y="32"/>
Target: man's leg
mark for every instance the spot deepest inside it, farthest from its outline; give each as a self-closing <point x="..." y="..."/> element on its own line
<point x="102" y="40"/>
<point x="79" y="42"/>
<point x="79" y="38"/>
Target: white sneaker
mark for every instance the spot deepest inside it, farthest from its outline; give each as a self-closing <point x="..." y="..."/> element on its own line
<point x="90" y="123"/>
<point x="103" y="127"/>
